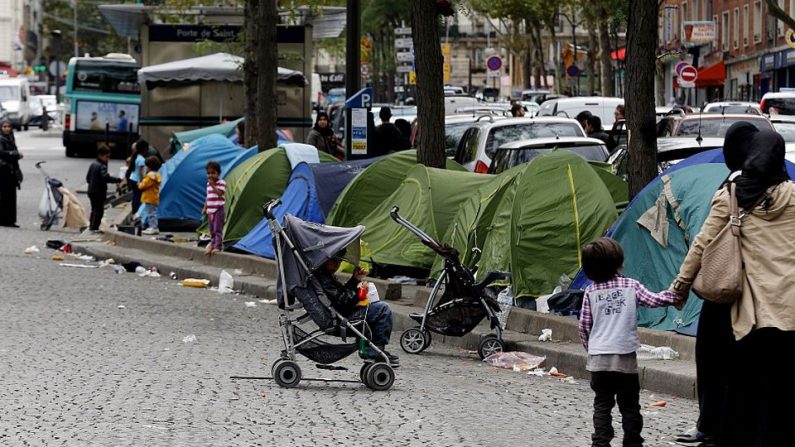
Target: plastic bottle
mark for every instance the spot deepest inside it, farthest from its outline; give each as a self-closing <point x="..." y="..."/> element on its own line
<point x="505" y="300"/>
<point x="118" y="269"/>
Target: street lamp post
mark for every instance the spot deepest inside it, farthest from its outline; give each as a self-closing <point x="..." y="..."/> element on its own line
<point x="57" y="41"/>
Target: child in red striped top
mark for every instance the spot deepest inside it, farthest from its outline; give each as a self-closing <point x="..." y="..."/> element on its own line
<point x="214" y="206"/>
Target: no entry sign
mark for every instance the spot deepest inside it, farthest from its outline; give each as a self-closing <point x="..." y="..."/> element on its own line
<point x="689" y="74"/>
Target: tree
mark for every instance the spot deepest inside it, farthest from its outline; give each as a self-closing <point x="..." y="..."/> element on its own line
<point x="430" y="92"/>
<point x="251" y="136"/>
<point x="379" y="20"/>
<point x="775" y="10"/>
<point x="267" y="63"/>
<point x="641" y="60"/>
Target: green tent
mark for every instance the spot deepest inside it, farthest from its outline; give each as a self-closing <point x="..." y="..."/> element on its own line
<point x="427" y="197"/>
<point x="179" y="139"/>
<point x="532" y="221"/>
<point x="252" y="183"/>
<point x="373" y="185"/>
<point x="619" y="189"/>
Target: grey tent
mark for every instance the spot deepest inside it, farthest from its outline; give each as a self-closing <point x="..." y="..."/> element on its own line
<point x="220" y="67"/>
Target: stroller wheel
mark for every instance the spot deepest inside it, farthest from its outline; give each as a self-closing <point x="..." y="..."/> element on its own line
<point x="363" y="372"/>
<point x="380" y="377"/>
<point x="490" y="345"/>
<point x="414" y="341"/>
<point x="286" y="373"/>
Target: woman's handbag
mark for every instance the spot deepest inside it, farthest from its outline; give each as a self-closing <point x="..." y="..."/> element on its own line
<point x="720" y="279"/>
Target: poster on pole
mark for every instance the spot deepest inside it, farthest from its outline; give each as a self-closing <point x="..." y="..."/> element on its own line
<point x="359" y="131"/>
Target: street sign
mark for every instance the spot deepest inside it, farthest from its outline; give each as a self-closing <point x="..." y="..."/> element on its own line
<point x="412" y="78"/>
<point x="447" y="66"/>
<point x="403" y="69"/>
<point x="54" y="66"/>
<point x="404" y="42"/>
<point x="362" y="99"/>
<point x="678" y="68"/>
<point x="572" y="71"/>
<point x="365" y="70"/>
<point x="493" y="74"/>
<point x="494" y="63"/>
<point x="688" y="74"/>
<point x="402" y="31"/>
<point x="790" y="38"/>
<point x="404" y="56"/>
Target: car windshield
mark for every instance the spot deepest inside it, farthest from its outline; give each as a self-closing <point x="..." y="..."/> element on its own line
<point x="731" y="108"/>
<point x="508" y="158"/>
<point x="452" y="136"/>
<point x="526" y="131"/>
<point x="787" y="130"/>
<point x="714" y="127"/>
<point x="8" y="93"/>
<point x="779" y="106"/>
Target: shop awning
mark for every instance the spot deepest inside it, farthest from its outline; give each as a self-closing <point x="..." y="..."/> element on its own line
<point x="619" y="54"/>
<point x="711" y="76"/>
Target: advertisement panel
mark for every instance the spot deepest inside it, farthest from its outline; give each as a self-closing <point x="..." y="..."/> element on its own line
<point x="698" y="33"/>
<point x="93" y="115"/>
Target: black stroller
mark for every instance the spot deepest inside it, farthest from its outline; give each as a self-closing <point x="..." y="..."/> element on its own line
<point x="463" y="303"/>
<point x="51" y="203"/>
<point x="301" y="249"/>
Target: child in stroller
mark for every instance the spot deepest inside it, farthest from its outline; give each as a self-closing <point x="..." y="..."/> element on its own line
<point x="307" y="255"/>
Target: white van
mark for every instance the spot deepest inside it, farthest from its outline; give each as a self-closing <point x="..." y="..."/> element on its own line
<point x="602" y="107"/>
<point x="455" y="102"/>
<point x="15" y="98"/>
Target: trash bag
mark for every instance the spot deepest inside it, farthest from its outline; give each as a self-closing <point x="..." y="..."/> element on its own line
<point x="567" y="302"/>
<point x="518" y="361"/>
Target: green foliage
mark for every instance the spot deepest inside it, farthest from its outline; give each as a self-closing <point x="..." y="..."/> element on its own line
<point x="95" y="35"/>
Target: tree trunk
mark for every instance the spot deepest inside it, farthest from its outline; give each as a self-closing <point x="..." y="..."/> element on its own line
<point x="775" y="10"/>
<point x="640" y="72"/>
<point x="430" y="93"/>
<point x="607" y="72"/>
<point x="251" y="137"/>
<point x="592" y="44"/>
<point x="267" y="63"/>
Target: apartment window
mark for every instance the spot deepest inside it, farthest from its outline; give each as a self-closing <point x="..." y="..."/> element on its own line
<point x="736" y="29"/>
<point x="724" y="32"/>
<point x="696" y="10"/>
<point x="715" y="22"/>
<point x="779" y="24"/>
<point x="685" y="15"/>
<point x="745" y="26"/>
<point x="757" y="21"/>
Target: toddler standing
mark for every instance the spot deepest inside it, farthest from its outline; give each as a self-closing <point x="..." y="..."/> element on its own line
<point x="150" y="194"/>
<point x="609" y="332"/>
<point x="214" y="206"/>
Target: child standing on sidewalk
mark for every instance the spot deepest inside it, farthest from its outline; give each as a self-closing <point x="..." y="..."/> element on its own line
<point x="150" y="194"/>
<point x="98" y="179"/>
<point x="609" y="332"/>
<point x="214" y="206"/>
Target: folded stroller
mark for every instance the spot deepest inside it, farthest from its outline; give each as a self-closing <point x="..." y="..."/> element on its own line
<point x="301" y="249"/>
<point x="457" y="303"/>
<point x="51" y="203"/>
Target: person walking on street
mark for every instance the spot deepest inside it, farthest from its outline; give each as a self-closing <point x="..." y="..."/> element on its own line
<point x="214" y="206"/>
<point x="10" y="175"/>
<point x="759" y="327"/>
<point x="388" y="138"/>
<point x="150" y="194"/>
<point x="609" y="332"/>
<point x="322" y="136"/>
<point x="98" y="178"/>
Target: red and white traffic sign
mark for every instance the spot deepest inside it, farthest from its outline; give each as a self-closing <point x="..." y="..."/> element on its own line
<point x="689" y="74"/>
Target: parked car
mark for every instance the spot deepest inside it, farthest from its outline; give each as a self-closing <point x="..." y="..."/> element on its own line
<point x="778" y="103"/>
<point x="15" y="97"/>
<point x="518" y="152"/>
<point x="602" y="107"/>
<point x="335" y="95"/>
<point x="670" y="150"/>
<point x="714" y="125"/>
<point x="451" y="90"/>
<point x="785" y="125"/>
<point x="481" y="140"/>
<point x="539" y="96"/>
<point x="732" y="107"/>
<point x="456" y="125"/>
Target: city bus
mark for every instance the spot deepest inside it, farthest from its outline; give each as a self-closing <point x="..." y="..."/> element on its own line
<point x="103" y="101"/>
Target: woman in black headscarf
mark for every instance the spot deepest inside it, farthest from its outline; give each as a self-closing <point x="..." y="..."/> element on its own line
<point x="737" y="409"/>
<point x="322" y="136"/>
<point x="10" y="175"/>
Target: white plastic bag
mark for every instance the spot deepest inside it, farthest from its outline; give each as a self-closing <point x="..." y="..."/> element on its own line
<point x="226" y="283"/>
<point x="47" y="204"/>
<point x="372" y="293"/>
<point x="647" y="352"/>
<point x="505" y="300"/>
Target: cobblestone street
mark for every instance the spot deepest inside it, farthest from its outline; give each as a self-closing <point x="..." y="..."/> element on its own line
<point x="93" y="358"/>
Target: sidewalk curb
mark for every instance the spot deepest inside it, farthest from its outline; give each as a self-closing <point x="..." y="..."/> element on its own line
<point x="673" y="377"/>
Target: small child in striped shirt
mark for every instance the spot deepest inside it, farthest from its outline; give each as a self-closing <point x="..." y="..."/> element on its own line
<point x="214" y="206"/>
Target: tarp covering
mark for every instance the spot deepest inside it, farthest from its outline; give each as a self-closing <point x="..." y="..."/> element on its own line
<point x="309" y="195"/>
<point x="532" y="221"/>
<point x="182" y="191"/>
<point x="373" y="185"/>
<point x="222" y="67"/>
<point x="427" y="197"/>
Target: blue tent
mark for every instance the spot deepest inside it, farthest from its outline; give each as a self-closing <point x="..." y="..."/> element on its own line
<point x="182" y="191"/>
<point x="311" y="192"/>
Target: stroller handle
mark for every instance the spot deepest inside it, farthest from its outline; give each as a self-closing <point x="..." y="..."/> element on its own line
<point x="39" y="163"/>
<point x="267" y="209"/>
<point x="427" y="240"/>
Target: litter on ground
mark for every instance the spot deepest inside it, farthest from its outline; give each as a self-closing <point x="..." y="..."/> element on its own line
<point x="193" y="282"/>
<point x="546" y="335"/>
<point x="517" y="361"/>
<point x="32" y="249"/>
<point x="189" y="339"/>
<point x="251" y="304"/>
<point x="82" y="266"/>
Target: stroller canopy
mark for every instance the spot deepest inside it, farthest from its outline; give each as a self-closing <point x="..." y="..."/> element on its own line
<point x="373" y="185"/>
<point x="182" y="191"/>
<point x="316" y="243"/>
<point x="309" y="195"/>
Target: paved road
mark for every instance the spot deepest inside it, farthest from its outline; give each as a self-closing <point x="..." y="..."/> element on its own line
<point x="81" y="370"/>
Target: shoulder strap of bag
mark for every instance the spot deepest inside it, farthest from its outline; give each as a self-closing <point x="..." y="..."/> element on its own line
<point x="735" y="218"/>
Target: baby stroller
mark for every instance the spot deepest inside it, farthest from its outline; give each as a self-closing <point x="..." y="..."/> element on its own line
<point x="459" y="308"/>
<point x="51" y="203"/>
<point x="301" y="249"/>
